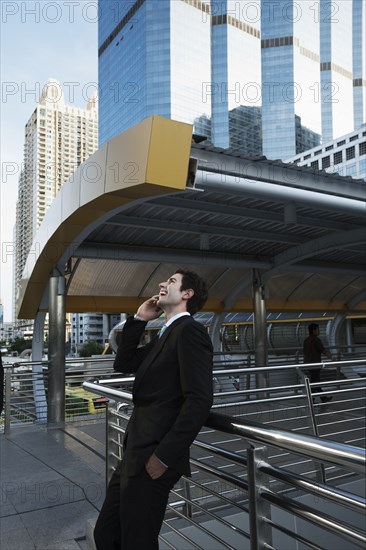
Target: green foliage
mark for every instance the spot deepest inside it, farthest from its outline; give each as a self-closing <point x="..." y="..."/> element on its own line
<point x="20" y="344"/>
<point x="90" y="348"/>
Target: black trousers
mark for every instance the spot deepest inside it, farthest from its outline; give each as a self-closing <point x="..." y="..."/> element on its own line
<point x="314" y="376"/>
<point x="133" y="511"/>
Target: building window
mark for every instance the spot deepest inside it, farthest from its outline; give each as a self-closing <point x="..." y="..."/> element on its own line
<point x="351" y="170"/>
<point x="353" y="138"/>
<point x="314" y="165"/>
<point x="341" y="142"/>
<point x="307" y="157"/>
<point x="350" y="153"/>
<point x="338" y="157"/>
<point x="317" y="152"/>
<point x="326" y="162"/>
<point x="362" y="148"/>
<point x="329" y="148"/>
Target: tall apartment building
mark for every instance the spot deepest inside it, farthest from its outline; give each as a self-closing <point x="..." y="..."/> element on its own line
<point x="58" y="138"/>
<point x="287" y="71"/>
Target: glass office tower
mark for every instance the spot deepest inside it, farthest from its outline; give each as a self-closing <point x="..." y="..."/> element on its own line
<point x="336" y="75"/>
<point x="236" y="75"/>
<point x="359" y="62"/>
<point x="290" y="78"/>
<point x="154" y="58"/>
<point x="260" y="76"/>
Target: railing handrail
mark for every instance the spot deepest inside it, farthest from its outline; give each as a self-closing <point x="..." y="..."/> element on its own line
<point x="340" y="454"/>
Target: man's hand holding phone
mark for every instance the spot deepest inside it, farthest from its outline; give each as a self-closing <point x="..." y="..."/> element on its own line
<point x="149" y="310"/>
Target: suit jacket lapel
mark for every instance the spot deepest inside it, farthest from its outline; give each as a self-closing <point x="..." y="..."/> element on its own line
<point x="155" y="351"/>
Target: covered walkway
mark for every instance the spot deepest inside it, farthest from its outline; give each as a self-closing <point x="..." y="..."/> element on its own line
<point x="265" y="235"/>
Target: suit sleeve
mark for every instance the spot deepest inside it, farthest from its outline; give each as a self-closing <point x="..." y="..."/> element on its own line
<point x="195" y="357"/>
<point x="129" y="356"/>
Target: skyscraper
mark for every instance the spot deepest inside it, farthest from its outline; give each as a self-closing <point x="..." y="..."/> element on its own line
<point x="290" y="44"/>
<point x="254" y="75"/>
<point x="154" y="58"/>
<point x="359" y="62"/>
<point x="58" y="138"/>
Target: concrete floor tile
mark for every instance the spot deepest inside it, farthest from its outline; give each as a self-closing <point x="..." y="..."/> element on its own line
<point x="58" y="524"/>
<point x="64" y="545"/>
<point x="36" y="495"/>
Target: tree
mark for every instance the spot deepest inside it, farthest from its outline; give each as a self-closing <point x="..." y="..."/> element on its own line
<point x="90" y="348"/>
<point x="20" y="344"/>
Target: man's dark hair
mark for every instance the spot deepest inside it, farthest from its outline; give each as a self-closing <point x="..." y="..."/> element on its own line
<point x="190" y="279"/>
<point x="312" y="327"/>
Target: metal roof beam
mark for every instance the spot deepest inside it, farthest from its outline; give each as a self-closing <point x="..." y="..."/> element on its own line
<point x="233" y="233"/>
<point x="320" y="246"/>
<point x="330" y="268"/>
<point x="280" y="193"/>
<point x="277" y="172"/>
<point x="206" y="207"/>
<point x="151" y="254"/>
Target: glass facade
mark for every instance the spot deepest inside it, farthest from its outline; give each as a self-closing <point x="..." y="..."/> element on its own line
<point x="272" y="78"/>
<point x="336" y="68"/>
<point x="359" y="62"/>
<point x="155" y="60"/>
<point x="290" y="71"/>
<point x="236" y="84"/>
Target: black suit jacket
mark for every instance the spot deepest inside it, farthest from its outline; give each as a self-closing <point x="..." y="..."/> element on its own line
<point x="172" y="392"/>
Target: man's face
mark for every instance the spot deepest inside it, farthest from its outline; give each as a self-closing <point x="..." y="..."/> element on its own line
<point x="170" y="293"/>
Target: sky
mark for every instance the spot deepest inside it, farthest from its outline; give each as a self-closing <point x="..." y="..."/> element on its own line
<point x="39" y="40"/>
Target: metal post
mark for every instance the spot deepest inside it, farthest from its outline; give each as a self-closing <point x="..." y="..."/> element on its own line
<point x="349" y="335"/>
<point x="215" y="331"/>
<point x="39" y="393"/>
<point x="56" y="350"/>
<point x="313" y="422"/>
<point x="187" y="507"/>
<point x="106" y="327"/>
<point x="259" y="509"/>
<point x="7" y="388"/>
<point x="107" y="444"/>
<point x="260" y="329"/>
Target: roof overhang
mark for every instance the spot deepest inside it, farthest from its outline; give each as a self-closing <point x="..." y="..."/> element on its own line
<point x="131" y="215"/>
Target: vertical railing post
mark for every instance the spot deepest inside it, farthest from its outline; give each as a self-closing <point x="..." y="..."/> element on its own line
<point x="7" y="388"/>
<point x="107" y="441"/>
<point x="313" y="422"/>
<point x="259" y="509"/>
<point x="260" y="331"/>
<point x="187" y="507"/>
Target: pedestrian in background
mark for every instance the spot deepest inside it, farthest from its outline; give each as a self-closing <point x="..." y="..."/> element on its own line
<point x="313" y="350"/>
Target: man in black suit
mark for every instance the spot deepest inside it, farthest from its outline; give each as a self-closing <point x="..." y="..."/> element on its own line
<point x="172" y="396"/>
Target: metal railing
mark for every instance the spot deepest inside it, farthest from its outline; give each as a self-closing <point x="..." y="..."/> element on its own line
<point x="25" y="391"/>
<point x="238" y="392"/>
<point x="238" y="499"/>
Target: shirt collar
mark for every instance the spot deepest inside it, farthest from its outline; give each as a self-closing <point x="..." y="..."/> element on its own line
<point x="175" y="317"/>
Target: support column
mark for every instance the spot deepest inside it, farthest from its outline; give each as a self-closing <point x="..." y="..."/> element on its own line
<point x="215" y="331"/>
<point x="39" y="393"/>
<point x="260" y="329"/>
<point x="106" y="327"/>
<point x="56" y="349"/>
<point x="349" y="335"/>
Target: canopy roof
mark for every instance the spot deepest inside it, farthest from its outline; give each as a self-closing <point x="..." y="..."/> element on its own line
<point x="150" y="201"/>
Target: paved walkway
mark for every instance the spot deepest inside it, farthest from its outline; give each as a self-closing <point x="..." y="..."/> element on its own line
<point x="51" y="484"/>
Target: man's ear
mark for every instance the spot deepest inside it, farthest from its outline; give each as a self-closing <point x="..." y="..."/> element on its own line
<point x="188" y="293"/>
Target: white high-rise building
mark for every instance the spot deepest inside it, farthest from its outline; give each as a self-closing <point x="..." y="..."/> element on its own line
<point x="58" y="138"/>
